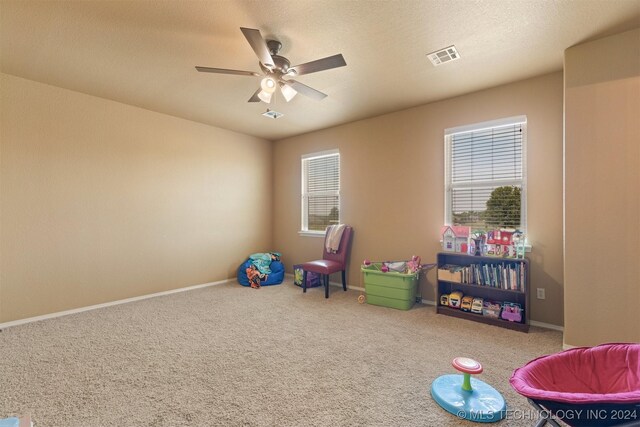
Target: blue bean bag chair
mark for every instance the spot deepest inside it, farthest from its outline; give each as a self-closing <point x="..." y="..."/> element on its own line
<point x="274" y="278"/>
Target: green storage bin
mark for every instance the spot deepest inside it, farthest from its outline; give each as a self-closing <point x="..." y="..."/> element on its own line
<point x="391" y="289"/>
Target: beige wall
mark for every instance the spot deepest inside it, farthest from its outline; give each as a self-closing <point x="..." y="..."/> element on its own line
<point x="101" y="201"/>
<point x="602" y="187"/>
<point x="392" y="181"/>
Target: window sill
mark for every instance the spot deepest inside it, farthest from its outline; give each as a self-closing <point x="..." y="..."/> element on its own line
<point x="308" y="233"/>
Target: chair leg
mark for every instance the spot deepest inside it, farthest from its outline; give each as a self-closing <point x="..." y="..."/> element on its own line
<point x="541" y="423"/>
<point x="344" y="280"/>
<point x="304" y="281"/>
<point x="326" y="286"/>
<point x="545" y="415"/>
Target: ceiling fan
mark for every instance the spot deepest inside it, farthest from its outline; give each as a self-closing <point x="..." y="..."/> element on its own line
<point x="276" y="70"/>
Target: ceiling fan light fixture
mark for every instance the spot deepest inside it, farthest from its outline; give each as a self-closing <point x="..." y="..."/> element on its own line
<point x="265" y="96"/>
<point x="274" y="67"/>
<point x="287" y="91"/>
<point x="268" y="85"/>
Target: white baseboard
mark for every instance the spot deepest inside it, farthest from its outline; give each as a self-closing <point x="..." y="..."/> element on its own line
<point x="108" y="304"/>
<point x="531" y="322"/>
<point x="546" y="325"/>
<point x="361" y="289"/>
<point x="568" y="346"/>
<point x="433" y="303"/>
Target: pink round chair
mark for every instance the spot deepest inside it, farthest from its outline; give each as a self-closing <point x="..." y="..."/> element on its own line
<point x="587" y="386"/>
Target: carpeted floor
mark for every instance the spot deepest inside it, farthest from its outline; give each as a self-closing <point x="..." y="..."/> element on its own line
<point x="229" y="356"/>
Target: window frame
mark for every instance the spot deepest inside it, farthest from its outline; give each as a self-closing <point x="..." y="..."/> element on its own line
<point x="449" y="186"/>
<point x="304" y="211"/>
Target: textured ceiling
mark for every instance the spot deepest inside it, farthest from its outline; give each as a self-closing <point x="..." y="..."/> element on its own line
<point x="143" y="53"/>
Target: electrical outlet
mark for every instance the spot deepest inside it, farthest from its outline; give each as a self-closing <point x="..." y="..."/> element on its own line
<point x="540" y="293"/>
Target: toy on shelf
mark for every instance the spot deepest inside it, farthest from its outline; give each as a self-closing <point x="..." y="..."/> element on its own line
<point x="455" y="299"/>
<point x="455" y="238"/>
<point x="465" y="305"/>
<point x="511" y="312"/>
<point x="505" y="242"/>
<point x="476" y="242"/>
<point x="491" y="309"/>
<point x="476" y="305"/>
<point x="519" y="241"/>
<point x="444" y="299"/>
<point x="498" y="242"/>
<point x="502" y="236"/>
<point x="466" y="397"/>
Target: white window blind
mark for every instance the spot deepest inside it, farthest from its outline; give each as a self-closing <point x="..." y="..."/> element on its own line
<point x="320" y="190"/>
<point x="485" y="183"/>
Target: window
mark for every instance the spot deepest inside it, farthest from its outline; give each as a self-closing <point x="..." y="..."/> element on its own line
<point x="320" y="190"/>
<point x="485" y="174"/>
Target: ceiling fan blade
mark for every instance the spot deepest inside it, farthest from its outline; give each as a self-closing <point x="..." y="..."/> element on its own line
<point x="259" y="46"/>
<point x="225" y="71"/>
<point x="305" y="90"/>
<point x="327" y="63"/>
<point x="255" y="97"/>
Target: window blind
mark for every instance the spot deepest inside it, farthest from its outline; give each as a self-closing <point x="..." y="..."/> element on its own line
<point x="321" y="192"/>
<point x="486" y="177"/>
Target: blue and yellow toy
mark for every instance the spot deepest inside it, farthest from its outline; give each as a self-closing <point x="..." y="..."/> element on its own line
<point x="467" y="397"/>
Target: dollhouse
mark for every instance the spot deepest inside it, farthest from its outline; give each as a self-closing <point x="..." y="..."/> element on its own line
<point x="455" y="238"/>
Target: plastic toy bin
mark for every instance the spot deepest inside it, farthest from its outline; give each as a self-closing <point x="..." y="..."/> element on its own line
<point x="391" y="289"/>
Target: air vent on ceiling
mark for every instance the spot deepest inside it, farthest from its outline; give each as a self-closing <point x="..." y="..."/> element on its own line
<point x="272" y="114"/>
<point x="441" y="56"/>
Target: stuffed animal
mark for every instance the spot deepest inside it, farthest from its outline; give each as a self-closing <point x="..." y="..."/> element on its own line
<point x="413" y="266"/>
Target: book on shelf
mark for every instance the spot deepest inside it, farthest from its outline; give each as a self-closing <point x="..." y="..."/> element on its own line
<point x="506" y="275"/>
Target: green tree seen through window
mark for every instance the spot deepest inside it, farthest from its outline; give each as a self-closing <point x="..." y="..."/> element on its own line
<point x="503" y="207"/>
<point x="503" y="211"/>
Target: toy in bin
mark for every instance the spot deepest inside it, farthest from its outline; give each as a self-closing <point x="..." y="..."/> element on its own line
<point x="465" y="305"/>
<point x="455" y="299"/>
<point x="511" y="312"/>
<point x="444" y="299"/>
<point x="412" y="266"/>
<point x="476" y="305"/>
<point x="491" y="309"/>
<point x="393" y="283"/>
